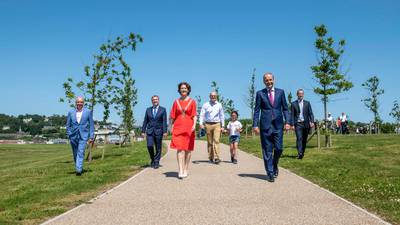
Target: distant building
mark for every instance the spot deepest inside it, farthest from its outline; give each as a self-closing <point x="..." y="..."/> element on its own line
<point x="27" y="120"/>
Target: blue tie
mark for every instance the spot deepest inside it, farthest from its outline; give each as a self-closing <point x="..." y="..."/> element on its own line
<point x="154" y="112"/>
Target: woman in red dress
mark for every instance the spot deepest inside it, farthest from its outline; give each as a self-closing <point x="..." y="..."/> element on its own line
<point x="183" y="120"/>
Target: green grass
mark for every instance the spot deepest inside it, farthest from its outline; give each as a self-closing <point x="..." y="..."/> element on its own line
<point x="362" y="169"/>
<point x="38" y="181"/>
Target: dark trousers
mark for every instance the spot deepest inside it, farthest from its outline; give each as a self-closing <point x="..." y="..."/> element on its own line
<point x="301" y="137"/>
<point x="154" y="141"/>
<point x="272" y="147"/>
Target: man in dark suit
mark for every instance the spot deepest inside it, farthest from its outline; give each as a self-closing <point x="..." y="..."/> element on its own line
<point x="269" y="111"/>
<point x="302" y="118"/>
<point x="154" y="128"/>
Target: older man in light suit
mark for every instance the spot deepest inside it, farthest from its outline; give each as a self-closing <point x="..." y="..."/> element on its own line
<point x="80" y="130"/>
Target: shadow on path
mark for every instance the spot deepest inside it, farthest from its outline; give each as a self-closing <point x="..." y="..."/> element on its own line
<point x="171" y="174"/>
<point x="257" y="176"/>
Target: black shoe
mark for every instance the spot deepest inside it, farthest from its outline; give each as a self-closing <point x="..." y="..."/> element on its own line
<point x="300" y="156"/>
<point x="270" y="178"/>
<point x="234" y="161"/>
<point x="217" y="161"/>
<point x="211" y="160"/>
<point x="276" y="173"/>
<point x="78" y="174"/>
<point x="156" y="166"/>
<point x="152" y="164"/>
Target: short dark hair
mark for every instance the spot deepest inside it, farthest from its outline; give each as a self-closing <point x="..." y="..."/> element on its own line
<point x="187" y="86"/>
<point x="154" y="96"/>
<point x="236" y="112"/>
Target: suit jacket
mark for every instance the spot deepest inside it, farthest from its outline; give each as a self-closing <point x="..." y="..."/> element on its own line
<point x="264" y="111"/>
<point x="307" y="113"/>
<point x="85" y="128"/>
<point x="155" y="125"/>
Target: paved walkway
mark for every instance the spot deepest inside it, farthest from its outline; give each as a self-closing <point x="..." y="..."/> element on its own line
<point x="216" y="194"/>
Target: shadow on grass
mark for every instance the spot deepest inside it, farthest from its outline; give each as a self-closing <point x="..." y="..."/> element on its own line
<point x="289" y="156"/>
<point x="171" y="174"/>
<point x="256" y="176"/>
<point x="83" y="171"/>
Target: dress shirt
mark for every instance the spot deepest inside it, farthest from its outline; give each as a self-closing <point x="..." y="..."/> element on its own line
<point x="212" y="112"/>
<point x="79" y="116"/>
<point x="301" y="116"/>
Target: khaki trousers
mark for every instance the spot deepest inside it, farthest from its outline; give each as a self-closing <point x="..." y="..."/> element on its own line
<point x="213" y="136"/>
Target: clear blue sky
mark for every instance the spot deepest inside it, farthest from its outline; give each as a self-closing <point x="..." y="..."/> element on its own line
<point x="43" y="42"/>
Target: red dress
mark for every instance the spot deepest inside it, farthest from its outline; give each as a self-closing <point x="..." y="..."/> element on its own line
<point x="182" y="134"/>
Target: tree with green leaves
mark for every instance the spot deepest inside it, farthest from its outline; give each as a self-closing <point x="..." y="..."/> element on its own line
<point x="97" y="83"/>
<point x="395" y="113"/>
<point x="372" y="102"/>
<point x="250" y="98"/>
<point x="227" y="104"/>
<point x="290" y="99"/>
<point x="125" y="96"/>
<point x="327" y="72"/>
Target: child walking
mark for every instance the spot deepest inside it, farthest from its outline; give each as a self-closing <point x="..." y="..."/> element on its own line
<point x="234" y="127"/>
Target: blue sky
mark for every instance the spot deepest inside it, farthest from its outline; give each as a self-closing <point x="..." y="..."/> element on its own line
<point x="44" y="42"/>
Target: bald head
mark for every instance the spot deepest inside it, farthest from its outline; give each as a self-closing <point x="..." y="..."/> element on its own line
<point x="268" y="79"/>
<point x="80" y="101"/>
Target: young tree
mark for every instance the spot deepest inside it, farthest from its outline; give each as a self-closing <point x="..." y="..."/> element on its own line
<point x="97" y="83"/>
<point x="327" y="72"/>
<point x="395" y="113"/>
<point x="371" y="102"/>
<point x="199" y="105"/>
<point x="226" y="103"/>
<point x="250" y="99"/>
<point x="290" y="99"/>
<point x="125" y="96"/>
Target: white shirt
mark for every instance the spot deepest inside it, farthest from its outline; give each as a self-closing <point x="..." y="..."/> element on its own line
<point x="233" y="127"/>
<point x="212" y="113"/>
<point x="301" y="116"/>
<point x="79" y="116"/>
<point x="343" y="118"/>
<point x="330" y="118"/>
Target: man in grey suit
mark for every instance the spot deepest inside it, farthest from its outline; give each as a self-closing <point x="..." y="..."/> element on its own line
<point x="302" y="118"/>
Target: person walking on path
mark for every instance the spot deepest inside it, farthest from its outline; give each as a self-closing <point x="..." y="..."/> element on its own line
<point x="183" y="124"/>
<point x="269" y="110"/>
<point x="212" y="118"/>
<point x="80" y="130"/>
<point x="302" y="120"/>
<point x="154" y="128"/>
<point x="234" y="127"/>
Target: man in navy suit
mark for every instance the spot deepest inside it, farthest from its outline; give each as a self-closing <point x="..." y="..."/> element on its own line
<point x="154" y="128"/>
<point x="269" y="111"/>
<point x="80" y="130"/>
<point x="302" y="118"/>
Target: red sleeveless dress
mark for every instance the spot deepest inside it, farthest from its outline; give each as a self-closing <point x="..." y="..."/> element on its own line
<point x="182" y="135"/>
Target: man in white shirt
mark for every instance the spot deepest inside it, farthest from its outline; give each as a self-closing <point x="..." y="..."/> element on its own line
<point x="212" y="118"/>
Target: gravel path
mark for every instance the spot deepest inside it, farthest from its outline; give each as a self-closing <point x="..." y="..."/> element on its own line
<point x="216" y="194"/>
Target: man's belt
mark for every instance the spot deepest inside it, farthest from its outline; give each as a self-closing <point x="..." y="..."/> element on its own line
<point x="212" y="123"/>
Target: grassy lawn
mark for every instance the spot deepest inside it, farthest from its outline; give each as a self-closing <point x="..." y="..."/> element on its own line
<point x="362" y="169"/>
<point x="38" y="181"/>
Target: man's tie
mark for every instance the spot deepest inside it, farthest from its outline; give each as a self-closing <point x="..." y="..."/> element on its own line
<point x="271" y="97"/>
<point x="154" y="112"/>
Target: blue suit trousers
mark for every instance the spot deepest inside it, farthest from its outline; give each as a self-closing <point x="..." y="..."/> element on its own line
<point x="78" y="150"/>
<point x="272" y="146"/>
